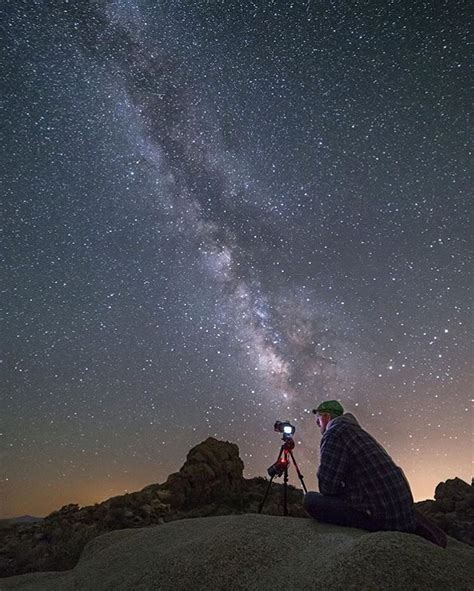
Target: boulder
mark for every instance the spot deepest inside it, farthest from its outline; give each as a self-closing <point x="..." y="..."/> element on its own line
<point x="453" y="509"/>
<point x="212" y="473"/>
<point x="258" y="552"/>
<point x="448" y="494"/>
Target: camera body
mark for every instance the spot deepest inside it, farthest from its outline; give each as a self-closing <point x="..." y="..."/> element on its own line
<point x="285" y="428"/>
<point x="281" y="465"/>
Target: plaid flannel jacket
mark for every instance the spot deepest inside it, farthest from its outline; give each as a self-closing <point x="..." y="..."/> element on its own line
<point x="355" y="467"/>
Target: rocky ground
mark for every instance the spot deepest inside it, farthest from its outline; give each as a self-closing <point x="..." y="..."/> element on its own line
<point x="258" y="553"/>
<point x="209" y="483"/>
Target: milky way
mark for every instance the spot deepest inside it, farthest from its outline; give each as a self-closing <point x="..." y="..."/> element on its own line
<point x="217" y="214"/>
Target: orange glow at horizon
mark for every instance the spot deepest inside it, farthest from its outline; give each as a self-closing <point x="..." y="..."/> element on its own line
<point x="47" y="499"/>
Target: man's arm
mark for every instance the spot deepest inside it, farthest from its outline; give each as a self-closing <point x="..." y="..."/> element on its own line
<point x="334" y="465"/>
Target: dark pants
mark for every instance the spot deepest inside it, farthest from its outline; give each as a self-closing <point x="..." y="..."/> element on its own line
<point x="334" y="510"/>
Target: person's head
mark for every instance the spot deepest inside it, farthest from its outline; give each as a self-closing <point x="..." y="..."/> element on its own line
<point x="327" y="411"/>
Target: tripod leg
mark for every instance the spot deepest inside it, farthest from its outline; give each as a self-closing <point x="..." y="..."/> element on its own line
<point x="260" y="507"/>
<point x="300" y="476"/>
<point x="285" y="493"/>
<point x="270" y="483"/>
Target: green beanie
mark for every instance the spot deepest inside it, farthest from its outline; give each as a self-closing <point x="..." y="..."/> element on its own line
<point x="333" y="407"/>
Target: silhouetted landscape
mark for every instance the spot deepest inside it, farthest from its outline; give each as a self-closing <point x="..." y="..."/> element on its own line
<point x="210" y="483"/>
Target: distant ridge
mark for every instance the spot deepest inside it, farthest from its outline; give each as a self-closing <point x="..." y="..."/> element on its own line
<point x="21" y="519"/>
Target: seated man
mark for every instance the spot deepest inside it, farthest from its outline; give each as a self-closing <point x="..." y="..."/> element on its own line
<point x="360" y="485"/>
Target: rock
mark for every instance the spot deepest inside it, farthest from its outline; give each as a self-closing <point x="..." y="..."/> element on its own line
<point x="453" y="509"/>
<point x="65" y="511"/>
<point x="213" y="472"/>
<point x="455" y="488"/>
<point x="258" y="552"/>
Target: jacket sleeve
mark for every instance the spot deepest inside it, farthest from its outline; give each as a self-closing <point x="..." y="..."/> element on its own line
<point x="334" y="464"/>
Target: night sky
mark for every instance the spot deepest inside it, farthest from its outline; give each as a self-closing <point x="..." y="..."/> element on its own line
<point x="217" y="214"/>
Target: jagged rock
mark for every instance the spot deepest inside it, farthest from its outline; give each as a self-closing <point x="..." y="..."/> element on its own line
<point x="213" y="472"/>
<point x="451" y="493"/>
<point x="453" y="509"/>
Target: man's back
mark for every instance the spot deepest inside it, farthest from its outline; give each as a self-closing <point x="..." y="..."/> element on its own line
<point x="356" y="467"/>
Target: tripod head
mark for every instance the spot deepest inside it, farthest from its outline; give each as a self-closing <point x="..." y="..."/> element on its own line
<point x="288" y="443"/>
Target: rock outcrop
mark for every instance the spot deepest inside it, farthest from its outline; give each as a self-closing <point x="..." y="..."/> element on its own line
<point x="258" y="552"/>
<point x="453" y="509"/>
<point x="209" y="483"/>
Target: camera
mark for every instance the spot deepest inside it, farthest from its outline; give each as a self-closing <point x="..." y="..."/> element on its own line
<point x="286" y="428"/>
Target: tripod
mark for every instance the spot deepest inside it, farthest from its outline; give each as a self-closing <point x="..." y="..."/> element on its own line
<point x="281" y="467"/>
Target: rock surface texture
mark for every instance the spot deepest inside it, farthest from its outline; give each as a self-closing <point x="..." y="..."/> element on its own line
<point x="258" y="552"/>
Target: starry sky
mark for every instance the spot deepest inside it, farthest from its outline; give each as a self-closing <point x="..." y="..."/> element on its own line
<point x="216" y="214"/>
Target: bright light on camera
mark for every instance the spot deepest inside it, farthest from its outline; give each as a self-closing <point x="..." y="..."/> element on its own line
<point x="286" y="428"/>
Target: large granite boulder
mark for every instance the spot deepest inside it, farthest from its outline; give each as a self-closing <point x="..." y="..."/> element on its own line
<point x="453" y="509"/>
<point x="258" y="552"/>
